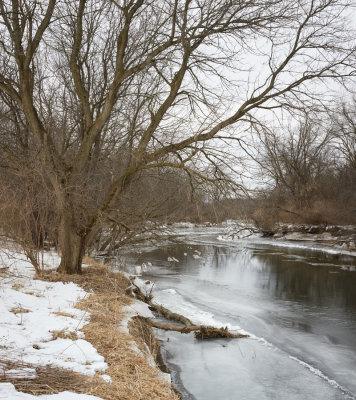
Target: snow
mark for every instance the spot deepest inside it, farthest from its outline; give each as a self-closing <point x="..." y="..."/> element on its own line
<point x="145" y="286"/>
<point x="138" y="308"/>
<point x="29" y="373"/>
<point x="106" y="378"/>
<point x="8" y="392"/>
<point x="172" y="259"/>
<point x="31" y="310"/>
<point x="138" y="269"/>
<point x="184" y="225"/>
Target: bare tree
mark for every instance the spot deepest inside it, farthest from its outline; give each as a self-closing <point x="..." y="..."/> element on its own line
<point x="111" y="88"/>
<point x="26" y="207"/>
<point x="344" y="131"/>
<point x="296" y="159"/>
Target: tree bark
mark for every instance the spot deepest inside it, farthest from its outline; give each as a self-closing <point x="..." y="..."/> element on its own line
<point x="71" y="245"/>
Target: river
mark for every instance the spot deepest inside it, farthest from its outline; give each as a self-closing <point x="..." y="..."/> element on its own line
<point x="297" y="304"/>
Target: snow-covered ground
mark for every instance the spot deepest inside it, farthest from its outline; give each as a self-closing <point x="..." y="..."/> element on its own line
<point x="32" y="313"/>
<point x="41" y="326"/>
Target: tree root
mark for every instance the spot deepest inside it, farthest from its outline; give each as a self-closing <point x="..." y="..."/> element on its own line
<point x="200" y="331"/>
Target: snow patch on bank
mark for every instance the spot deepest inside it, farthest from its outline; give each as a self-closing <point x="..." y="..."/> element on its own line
<point x="138" y="308"/>
<point x="32" y="312"/>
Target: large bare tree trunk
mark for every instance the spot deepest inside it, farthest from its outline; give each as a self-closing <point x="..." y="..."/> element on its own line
<point x="72" y="246"/>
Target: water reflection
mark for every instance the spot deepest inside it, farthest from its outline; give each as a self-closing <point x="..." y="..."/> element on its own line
<point x="315" y="280"/>
<point x="314" y="285"/>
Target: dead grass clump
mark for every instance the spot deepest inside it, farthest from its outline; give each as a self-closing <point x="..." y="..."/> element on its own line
<point x="64" y="334"/>
<point x="17" y="287"/>
<point x="62" y="314"/>
<point x="44" y="380"/>
<point x="19" y="310"/>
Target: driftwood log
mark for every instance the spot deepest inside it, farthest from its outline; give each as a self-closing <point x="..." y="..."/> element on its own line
<point x="200" y="331"/>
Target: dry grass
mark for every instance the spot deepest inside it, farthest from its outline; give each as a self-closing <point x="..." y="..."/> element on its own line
<point x="97" y="279"/>
<point x="64" y="334"/>
<point x="145" y="338"/>
<point x="32" y="293"/>
<point x="47" y="380"/>
<point x="19" y="310"/>
<point x="62" y="314"/>
<point x="133" y="378"/>
<point x="17" y="287"/>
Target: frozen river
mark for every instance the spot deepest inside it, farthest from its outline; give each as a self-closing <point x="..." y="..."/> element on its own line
<point x="298" y="305"/>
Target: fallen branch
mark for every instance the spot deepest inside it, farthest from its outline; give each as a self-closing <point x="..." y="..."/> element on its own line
<point x="200" y="331"/>
<point x="164" y="312"/>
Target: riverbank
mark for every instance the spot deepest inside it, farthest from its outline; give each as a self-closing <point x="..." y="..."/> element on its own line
<point x="68" y="337"/>
<point x="335" y="239"/>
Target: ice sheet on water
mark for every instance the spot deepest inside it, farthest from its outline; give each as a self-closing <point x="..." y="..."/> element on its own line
<point x="317" y="372"/>
<point x="243" y="369"/>
<point x="172" y="300"/>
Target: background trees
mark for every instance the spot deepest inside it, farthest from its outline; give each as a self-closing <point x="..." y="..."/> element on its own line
<point x="108" y="90"/>
<point x="310" y="170"/>
<point x="343" y="121"/>
<point x="297" y="160"/>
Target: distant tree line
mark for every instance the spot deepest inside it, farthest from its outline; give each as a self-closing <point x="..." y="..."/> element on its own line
<point x="311" y="170"/>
